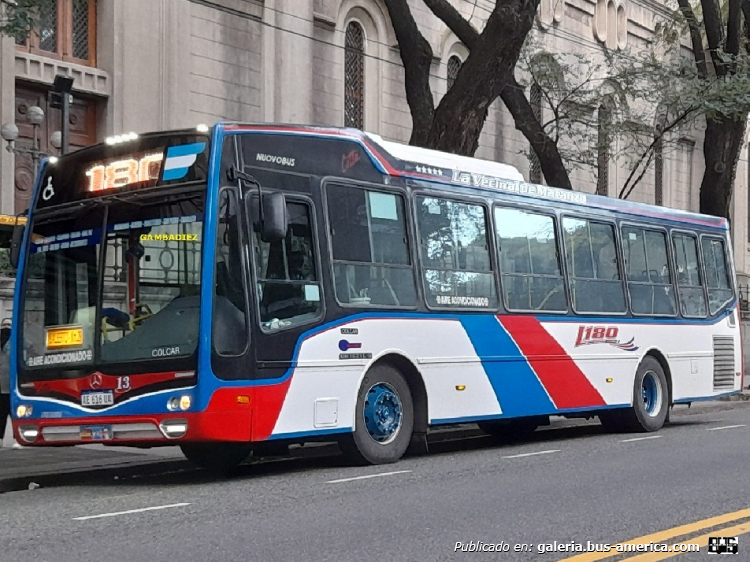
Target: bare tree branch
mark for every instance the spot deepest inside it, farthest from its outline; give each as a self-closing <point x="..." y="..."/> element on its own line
<point x="528" y="123"/>
<point x="746" y="13"/>
<point x="416" y="55"/>
<point x="445" y="11"/>
<point x="649" y="151"/>
<point x="513" y="97"/>
<point x="734" y="21"/>
<point x="696" y="38"/>
<point x="713" y="24"/>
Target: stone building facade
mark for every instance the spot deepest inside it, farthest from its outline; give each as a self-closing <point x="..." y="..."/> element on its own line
<point x="142" y="65"/>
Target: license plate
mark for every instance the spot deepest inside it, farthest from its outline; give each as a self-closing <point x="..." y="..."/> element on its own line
<point x="97" y="398"/>
<point x="64" y="337"/>
<point x="96" y="433"/>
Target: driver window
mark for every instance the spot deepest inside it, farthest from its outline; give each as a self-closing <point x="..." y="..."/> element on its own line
<point x="230" y="334"/>
<point x="287" y="273"/>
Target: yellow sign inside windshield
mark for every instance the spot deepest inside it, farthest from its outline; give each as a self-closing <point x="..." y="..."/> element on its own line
<point x="64" y="337"/>
<point x="11" y="221"/>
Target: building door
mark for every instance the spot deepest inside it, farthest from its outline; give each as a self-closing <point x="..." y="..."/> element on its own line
<point x="83" y="121"/>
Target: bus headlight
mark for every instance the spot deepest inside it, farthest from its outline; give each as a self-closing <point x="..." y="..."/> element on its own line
<point x="24" y="411"/>
<point x="185" y="402"/>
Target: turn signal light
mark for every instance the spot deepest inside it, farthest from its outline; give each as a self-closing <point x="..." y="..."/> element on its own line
<point x="242" y="399"/>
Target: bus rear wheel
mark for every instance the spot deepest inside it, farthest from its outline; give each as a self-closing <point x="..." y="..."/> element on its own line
<point x="218" y="457"/>
<point x="650" y="402"/>
<point x="384" y="418"/>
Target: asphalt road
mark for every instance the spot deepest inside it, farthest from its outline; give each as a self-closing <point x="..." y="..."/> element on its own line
<point x="574" y="485"/>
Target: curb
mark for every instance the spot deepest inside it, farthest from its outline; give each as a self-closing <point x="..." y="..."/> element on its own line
<point x="77" y="475"/>
<point x="154" y="467"/>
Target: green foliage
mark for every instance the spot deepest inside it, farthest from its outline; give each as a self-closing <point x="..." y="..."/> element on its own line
<point x="648" y="95"/>
<point x="19" y="17"/>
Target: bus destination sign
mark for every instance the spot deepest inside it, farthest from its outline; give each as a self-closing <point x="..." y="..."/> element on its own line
<point x="146" y="162"/>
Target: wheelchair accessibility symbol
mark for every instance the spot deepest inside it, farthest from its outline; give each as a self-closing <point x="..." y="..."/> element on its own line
<point x="49" y="191"/>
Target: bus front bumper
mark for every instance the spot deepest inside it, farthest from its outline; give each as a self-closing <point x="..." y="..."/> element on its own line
<point x="149" y="430"/>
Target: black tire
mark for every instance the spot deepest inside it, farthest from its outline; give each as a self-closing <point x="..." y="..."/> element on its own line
<point x="518" y="429"/>
<point x="387" y="387"/>
<point x="220" y="457"/>
<point x="650" y="400"/>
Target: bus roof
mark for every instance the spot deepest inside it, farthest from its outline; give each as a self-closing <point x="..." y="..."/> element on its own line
<point x="451" y="170"/>
<point x="402" y="160"/>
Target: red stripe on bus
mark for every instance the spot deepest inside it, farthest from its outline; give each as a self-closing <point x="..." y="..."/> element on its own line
<point x="564" y="381"/>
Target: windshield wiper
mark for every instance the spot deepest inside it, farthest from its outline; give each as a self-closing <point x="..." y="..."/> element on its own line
<point x="72" y="211"/>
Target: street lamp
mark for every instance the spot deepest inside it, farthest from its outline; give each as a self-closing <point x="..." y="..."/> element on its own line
<point x="9" y="132"/>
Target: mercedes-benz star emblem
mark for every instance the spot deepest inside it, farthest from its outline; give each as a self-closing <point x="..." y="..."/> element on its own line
<point x="96" y="381"/>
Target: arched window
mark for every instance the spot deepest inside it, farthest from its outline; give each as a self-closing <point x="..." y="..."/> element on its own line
<point x="354" y="76"/>
<point x="454" y="65"/>
<point x="604" y="116"/>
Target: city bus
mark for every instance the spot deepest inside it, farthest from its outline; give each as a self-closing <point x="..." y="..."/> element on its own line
<point x="240" y="288"/>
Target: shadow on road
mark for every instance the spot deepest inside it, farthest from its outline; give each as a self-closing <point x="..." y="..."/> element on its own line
<point x="323" y="456"/>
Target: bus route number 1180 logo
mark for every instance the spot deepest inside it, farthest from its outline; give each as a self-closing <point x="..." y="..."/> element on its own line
<point x="589" y="335"/>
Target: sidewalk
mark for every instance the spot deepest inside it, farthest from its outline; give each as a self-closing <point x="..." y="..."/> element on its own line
<point x="20" y="467"/>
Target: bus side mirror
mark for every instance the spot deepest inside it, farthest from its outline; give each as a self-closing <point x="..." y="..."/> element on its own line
<point x="275" y="219"/>
<point x="15" y="245"/>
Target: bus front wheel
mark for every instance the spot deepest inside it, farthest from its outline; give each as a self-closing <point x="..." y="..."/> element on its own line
<point x="384" y="418"/>
<point x="216" y="456"/>
<point x="650" y="401"/>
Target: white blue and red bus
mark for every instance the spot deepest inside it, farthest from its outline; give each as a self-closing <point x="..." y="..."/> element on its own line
<point x="246" y="286"/>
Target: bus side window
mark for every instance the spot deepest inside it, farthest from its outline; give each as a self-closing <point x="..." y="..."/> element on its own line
<point x="371" y="260"/>
<point x="454" y="245"/>
<point x="591" y="259"/>
<point x="649" y="280"/>
<point x="689" y="282"/>
<point x="529" y="265"/>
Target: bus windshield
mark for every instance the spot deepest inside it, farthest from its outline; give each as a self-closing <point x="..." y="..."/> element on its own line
<point x="146" y="305"/>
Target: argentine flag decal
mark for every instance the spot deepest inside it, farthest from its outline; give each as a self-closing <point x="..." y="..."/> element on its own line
<point x="179" y="159"/>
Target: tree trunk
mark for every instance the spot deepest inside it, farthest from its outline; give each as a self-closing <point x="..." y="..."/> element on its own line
<point x="459" y="118"/>
<point x="545" y="148"/>
<point x="416" y="56"/>
<point x="721" y="150"/>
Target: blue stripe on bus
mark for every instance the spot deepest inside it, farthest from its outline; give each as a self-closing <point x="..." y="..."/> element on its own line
<point x="185" y="149"/>
<point x="311" y="433"/>
<point x="515" y="383"/>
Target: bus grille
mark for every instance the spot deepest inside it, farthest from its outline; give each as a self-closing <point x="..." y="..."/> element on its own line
<point x="723" y="362"/>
